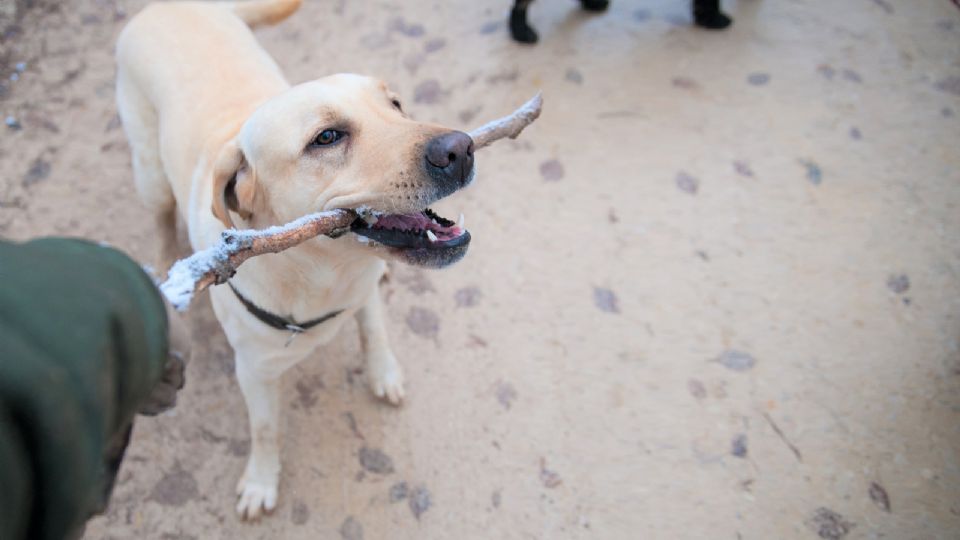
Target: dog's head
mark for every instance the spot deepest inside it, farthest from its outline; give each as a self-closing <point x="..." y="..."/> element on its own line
<point x="344" y="142"/>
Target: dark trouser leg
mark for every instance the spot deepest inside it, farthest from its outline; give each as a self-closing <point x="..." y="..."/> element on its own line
<point x="595" y="5"/>
<point x="707" y="14"/>
<point x="519" y="29"/>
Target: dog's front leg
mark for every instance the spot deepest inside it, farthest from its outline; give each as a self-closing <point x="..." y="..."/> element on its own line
<point x="383" y="371"/>
<point x="257" y="488"/>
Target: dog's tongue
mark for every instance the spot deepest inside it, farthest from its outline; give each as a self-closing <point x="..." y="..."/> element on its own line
<point x="418" y="222"/>
<point x="405" y="222"/>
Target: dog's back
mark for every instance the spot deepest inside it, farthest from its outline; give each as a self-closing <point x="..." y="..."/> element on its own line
<point x="258" y="12"/>
<point x="188" y="73"/>
<point x="185" y="39"/>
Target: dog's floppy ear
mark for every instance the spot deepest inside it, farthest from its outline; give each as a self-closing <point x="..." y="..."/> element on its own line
<point x="234" y="185"/>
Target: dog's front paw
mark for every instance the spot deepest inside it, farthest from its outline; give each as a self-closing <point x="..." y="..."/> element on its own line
<point x="256" y="498"/>
<point x="386" y="377"/>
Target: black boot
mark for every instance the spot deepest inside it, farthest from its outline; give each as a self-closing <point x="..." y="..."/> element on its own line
<point x="707" y="14"/>
<point x="595" y="5"/>
<point x="519" y="29"/>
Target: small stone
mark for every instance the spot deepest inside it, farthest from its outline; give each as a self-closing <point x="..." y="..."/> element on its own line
<point x="375" y="461"/>
<point x="827" y="71"/>
<point x="398" y="492"/>
<point x="299" y="513"/>
<point x="419" y="501"/>
<point x="950" y="85"/>
<point x="551" y="479"/>
<point x="898" y="283"/>
<point x="352" y="424"/>
<point x="736" y="360"/>
<point x="423" y="322"/>
<point x="506" y="394"/>
<point x="696" y="388"/>
<point x="551" y="170"/>
<point x="416" y="282"/>
<point x="39" y="170"/>
<point x="410" y="30"/>
<point x="814" y="174"/>
<point x="12" y="123"/>
<point x="176" y="488"/>
<point x="738" y="446"/>
<point x="306" y="389"/>
<point x="573" y="75"/>
<point x="687" y="183"/>
<point x="114" y="123"/>
<point x="490" y="27"/>
<point x="606" y="300"/>
<point x="758" y="79"/>
<point x="428" y="92"/>
<point x="852" y="76"/>
<point x="20" y="67"/>
<point x="476" y="341"/>
<point x="495" y="499"/>
<point x="434" y="45"/>
<point x="743" y="169"/>
<point x="885" y="6"/>
<point x="855" y="134"/>
<point x="351" y="529"/>
<point x="467" y="296"/>
<point x="238" y="447"/>
<point x="685" y="82"/>
<point x="879" y="496"/>
<point x="829" y="524"/>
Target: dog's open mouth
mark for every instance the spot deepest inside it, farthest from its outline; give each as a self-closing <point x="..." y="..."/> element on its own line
<point x="422" y="238"/>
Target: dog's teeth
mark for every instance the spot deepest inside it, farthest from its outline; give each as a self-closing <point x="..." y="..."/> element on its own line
<point x="370" y="219"/>
<point x="460" y="221"/>
<point x="431" y="236"/>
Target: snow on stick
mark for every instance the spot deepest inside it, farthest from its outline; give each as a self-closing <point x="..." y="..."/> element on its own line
<point x="216" y="264"/>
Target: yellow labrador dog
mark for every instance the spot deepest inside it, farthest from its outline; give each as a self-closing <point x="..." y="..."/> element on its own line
<point x="219" y="137"/>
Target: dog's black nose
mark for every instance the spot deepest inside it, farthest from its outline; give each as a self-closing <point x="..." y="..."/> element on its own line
<point x="450" y="158"/>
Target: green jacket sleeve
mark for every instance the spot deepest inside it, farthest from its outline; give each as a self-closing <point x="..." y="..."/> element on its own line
<point x="83" y="340"/>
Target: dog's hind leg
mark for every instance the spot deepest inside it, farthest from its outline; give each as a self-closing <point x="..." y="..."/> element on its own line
<point x="141" y="125"/>
<point x="383" y="371"/>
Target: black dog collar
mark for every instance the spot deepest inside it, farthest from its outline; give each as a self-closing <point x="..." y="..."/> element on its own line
<point x="278" y="322"/>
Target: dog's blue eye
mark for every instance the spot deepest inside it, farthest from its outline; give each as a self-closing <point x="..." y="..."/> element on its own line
<point x="328" y="137"/>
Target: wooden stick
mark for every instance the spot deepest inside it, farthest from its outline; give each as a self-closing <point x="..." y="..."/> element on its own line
<point x="508" y="126"/>
<point x="217" y="264"/>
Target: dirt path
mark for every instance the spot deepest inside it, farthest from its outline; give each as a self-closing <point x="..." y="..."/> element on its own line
<point x="713" y="293"/>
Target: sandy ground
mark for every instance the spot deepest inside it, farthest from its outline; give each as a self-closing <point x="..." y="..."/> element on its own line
<point x="713" y="293"/>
